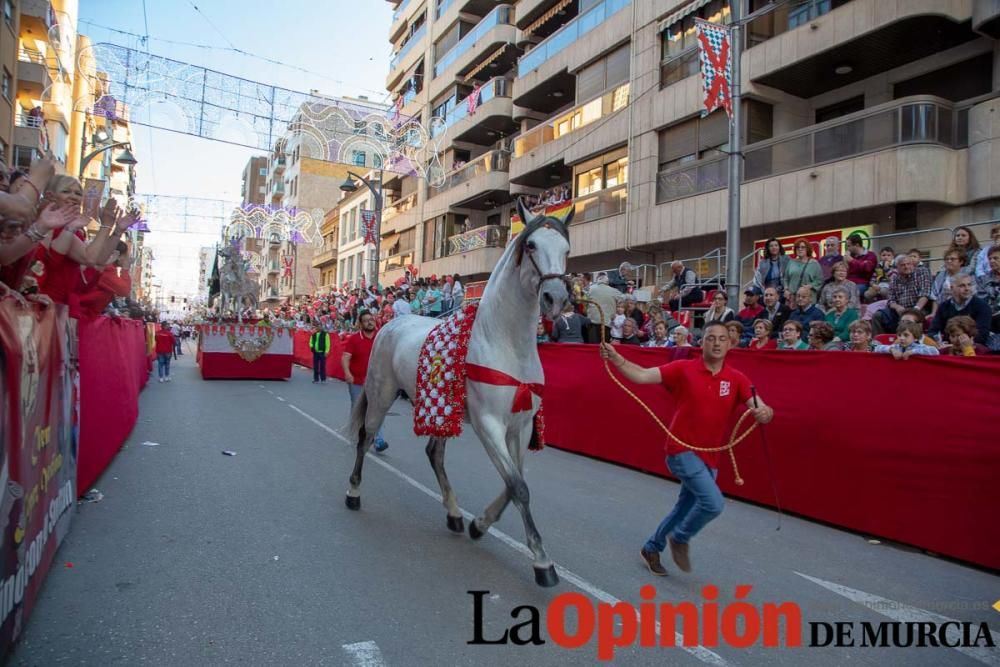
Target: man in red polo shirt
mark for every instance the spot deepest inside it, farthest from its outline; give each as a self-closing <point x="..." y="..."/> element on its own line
<point x="357" y="352"/>
<point x="708" y="395"/>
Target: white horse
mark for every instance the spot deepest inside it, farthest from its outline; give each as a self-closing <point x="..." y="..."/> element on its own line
<point x="528" y="277"/>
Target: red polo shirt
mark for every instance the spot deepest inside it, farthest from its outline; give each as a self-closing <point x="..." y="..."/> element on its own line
<point x="360" y="348"/>
<point x="707" y="405"/>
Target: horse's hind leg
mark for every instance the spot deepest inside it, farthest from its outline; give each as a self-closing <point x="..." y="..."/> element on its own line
<point x="481" y="524"/>
<point x="435" y="453"/>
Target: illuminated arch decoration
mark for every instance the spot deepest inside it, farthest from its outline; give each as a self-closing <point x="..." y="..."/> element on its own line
<point x="265" y="117"/>
<point x="272" y="222"/>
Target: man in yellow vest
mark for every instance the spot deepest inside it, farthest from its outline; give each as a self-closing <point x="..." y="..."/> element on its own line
<point x="319" y="343"/>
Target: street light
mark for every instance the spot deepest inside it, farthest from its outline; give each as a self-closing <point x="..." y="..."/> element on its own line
<point x="125" y="157"/>
<point x="350" y="186"/>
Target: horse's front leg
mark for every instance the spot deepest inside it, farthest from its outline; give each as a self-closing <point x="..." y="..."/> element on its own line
<point x="494" y="434"/>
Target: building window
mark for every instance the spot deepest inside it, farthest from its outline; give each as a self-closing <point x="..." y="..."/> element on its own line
<point x="377" y="161"/>
<point x="679" y="42"/>
<point x="8" y="12"/>
<point x="262" y="171"/>
<point x="3" y="150"/>
<point x="23" y="157"/>
<point x="7" y="84"/>
<point x="601" y="186"/>
<point x="358" y="158"/>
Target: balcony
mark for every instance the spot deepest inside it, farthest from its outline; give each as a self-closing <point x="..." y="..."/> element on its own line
<point x="400" y="57"/>
<point x="324" y="257"/>
<point x="39" y="9"/>
<point x="472" y="253"/>
<point x="33" y="76"/>
<point x="870" y="36"/>
<point x="569" y="34"/>
<point x="397" y="261"/>
<point x="22" y="119"/>
<point x="492" y="117"/>
<point x="277" y="188"/>
<point x="909" y="121"/>
<point x="402" y="214"/>
<point x="277" y="165"/>
<point x="481" y="184"/>
<point x="400" y="19"/>
<point x="540" y="148"/>
<point x="495" y="31"/>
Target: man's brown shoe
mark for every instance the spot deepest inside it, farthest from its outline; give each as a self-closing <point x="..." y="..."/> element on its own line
<point x="652" y="561"/>
<point x="680" y="554"/>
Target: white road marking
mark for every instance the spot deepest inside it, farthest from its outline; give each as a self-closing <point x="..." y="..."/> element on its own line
<point x="364" y="654"/>
<point x="149" y="443"/>
<point x="703" y="654"/>
<point x="904" y="613"/>
<point x="280" y="399"/>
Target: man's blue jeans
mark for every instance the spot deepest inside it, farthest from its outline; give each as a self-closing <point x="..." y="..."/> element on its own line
<point x="319" y="367"/>
<point x="163" y="364"/>
<point x="355" y="390"/>
<point x="699" y="502"/>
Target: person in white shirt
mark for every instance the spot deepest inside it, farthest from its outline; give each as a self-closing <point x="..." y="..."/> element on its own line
<point x="175" y="329"/>
<point x="457" y="292"/>
<point x="400" y="306"/>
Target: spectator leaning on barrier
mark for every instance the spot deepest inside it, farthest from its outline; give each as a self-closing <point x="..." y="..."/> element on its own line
<point x="569" y="326"/>
<point x="821" y="337"/>
<point x="831" y="256"/>
<point x="983" y="262"/>
<point x="772" y="268"/>
<point x="629" y="333"/>
<point x="906" y="345"/>
<point x="685" y="281"/>
<point x="908" y="289"/>
<point x="775" y="310"/>
<point x="659" y="337"/>
<point x="840" y="316"/>
<point x="918" y="316"/>
<point x="802" y="270"/>
<point x="805" y="312"/>
<point x="860" y="333"/>
<point x="860" y="263"/>
<point x="791" y="337"/>
<point x="954" y="266"/>
<point x="961" y="334"/>
<point x="762" y="336"/>
<point x="963" y="302"/>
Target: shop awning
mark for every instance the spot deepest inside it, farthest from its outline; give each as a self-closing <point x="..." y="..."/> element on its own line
<point x="687" y="9"/>
<point x="486" y="63"/>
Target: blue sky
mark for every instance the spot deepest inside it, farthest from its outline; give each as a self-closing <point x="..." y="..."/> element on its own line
<point x="343" y="42"/>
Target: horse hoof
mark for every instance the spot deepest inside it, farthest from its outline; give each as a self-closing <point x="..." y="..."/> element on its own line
<point x="546" y="577"/>
<point x="456" y="524"/>
<point x="353" y="502"/>
<point x="474" y="531"/>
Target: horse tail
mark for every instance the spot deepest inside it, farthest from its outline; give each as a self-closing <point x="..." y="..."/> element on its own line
<point x="358" y="414"/>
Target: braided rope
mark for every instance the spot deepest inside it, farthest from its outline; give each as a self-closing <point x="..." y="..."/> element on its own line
<point x="733" y="439"/>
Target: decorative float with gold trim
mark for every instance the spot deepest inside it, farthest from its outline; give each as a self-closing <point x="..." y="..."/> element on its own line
<point x="228" y="350"/>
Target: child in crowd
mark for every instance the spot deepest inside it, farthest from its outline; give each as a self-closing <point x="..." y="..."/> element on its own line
<point x="618" y="322"/>
<point x="906" y="344"/>
<point x="540" y="335"/>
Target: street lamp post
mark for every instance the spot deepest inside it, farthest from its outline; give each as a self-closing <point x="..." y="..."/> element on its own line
<point x="349" y="186"/>
<point x="126" y="156"/>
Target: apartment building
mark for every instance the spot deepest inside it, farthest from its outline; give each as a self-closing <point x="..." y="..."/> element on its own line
<point x="355" y="259"/>
<point x="858" y="114"/>
<point x="8" y="69"/>
<point x="253" y="187"/>
<point x="301" y="180"/>
<point x="325" y="259"/>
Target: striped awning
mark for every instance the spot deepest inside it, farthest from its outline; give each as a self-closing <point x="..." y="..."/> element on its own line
<point x="687" y="9"/>
<point x="388" y="242"/>
<point x="535" y="25"/>
<point x="486" y="63"/>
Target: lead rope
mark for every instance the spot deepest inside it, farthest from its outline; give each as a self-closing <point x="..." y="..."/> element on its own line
<point x="733" y="439"/>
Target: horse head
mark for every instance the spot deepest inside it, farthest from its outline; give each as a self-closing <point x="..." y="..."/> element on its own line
<point x="544" y="241"/>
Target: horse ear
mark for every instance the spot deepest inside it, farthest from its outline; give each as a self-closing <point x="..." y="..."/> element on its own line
<point x="523" y="211"/>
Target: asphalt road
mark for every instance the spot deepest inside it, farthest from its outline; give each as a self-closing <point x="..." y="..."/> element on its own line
<point x="196" y="558"/>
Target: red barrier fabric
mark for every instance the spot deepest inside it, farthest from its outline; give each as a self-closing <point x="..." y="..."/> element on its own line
<point x="222" y="366"/>
<point x="113" y="369"/>
<point x="905" y="450"/>
<point x="303" y="355"/>
<point x="38" y="464"/>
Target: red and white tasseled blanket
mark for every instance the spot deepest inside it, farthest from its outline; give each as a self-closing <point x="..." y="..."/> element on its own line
<point x="442" y="371"/>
